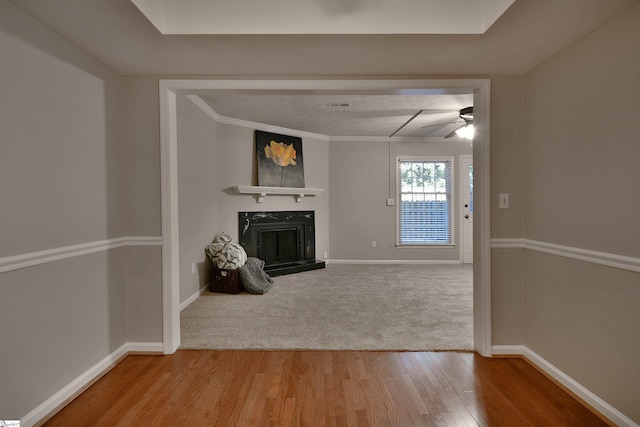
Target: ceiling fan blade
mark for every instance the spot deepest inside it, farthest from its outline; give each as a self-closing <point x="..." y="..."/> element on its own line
<point x="437" y="124"/>
<point x="453" y="132"/>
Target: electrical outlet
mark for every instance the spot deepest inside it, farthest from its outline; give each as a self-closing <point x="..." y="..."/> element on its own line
<point x="194" y="268"/>
<point x="373" y="243"/>
<point x="326" y="255"/>
<point x="390" y="202"/>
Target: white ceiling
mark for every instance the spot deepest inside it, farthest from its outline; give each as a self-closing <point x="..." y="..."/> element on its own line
<point x="118" y="34"/>
<point x="322" y="16"/>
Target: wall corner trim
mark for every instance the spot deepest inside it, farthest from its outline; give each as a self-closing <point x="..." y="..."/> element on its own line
<point x="59" y="400"/>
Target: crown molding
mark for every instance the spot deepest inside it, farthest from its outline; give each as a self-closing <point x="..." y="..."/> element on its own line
<point x="206" y="108"/>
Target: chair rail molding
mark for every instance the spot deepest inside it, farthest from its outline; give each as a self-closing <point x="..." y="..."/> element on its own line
<point x="31" y="259"/>
<point x="595" y="257"/>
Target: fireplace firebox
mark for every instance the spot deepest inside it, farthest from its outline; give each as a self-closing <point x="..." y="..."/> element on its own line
<point x="284" y="240"/>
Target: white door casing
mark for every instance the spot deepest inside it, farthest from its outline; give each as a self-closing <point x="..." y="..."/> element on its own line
<point x="466" y="209"/>
<point x="169" y="180"/>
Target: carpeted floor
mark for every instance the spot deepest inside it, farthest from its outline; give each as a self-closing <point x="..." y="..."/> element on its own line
<point x="342" y="307"/>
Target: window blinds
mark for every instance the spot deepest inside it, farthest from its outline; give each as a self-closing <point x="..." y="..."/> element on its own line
<point x="425" y="201"/>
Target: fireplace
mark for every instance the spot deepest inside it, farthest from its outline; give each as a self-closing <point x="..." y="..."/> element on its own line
<point x="284" y="240"/>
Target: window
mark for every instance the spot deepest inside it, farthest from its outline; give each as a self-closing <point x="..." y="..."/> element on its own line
<point x="425" y="194"/>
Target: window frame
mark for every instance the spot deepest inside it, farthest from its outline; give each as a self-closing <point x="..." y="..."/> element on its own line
<point x="452" y="202"/>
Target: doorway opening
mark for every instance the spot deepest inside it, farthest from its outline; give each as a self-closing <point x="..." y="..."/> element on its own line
<point x="170" y="88"/>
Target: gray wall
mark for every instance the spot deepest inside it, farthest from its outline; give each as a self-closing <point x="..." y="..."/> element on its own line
<point x="581" y="190"/>
<point x="197" y="193"/>
<point x="507" y="164"/>
<point x="62" y="183"/>
<point x="62" y="169"/>
<point x="57" y="320"/>
<point x="236" y="166"/>
<point x="362" y="177"/>
<point x="144" y="213"/>
<point x="201" y="218"/>
<point x="142" y="141"/>
<point x="212" y="158"/>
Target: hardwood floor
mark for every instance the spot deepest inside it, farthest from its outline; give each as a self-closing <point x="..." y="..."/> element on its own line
<point x="323" y="388"/>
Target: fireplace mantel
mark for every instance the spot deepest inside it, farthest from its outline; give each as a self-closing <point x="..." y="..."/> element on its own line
<point x="262" y="192"/>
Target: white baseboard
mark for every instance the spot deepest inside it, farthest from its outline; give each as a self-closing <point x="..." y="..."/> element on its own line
<point x="579" y="390"/>
<point x="507" y="350"/>
<point x="394" y="261"/>
<point x="55" y="403"/>
<point x="145" y="348"/>
<point x="569" y="383"/>
<point x="184" y="304"/>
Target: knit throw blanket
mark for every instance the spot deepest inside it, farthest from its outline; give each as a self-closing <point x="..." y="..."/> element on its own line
<point x="254" y="279"/>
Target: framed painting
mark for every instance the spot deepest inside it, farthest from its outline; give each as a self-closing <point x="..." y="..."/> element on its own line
<point x="280" y="161"/>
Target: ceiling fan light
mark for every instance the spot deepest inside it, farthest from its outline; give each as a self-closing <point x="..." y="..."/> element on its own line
<point x="466" y="132"/>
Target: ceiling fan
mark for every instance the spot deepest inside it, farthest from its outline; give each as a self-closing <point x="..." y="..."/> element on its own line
<point x="465" y="124"/>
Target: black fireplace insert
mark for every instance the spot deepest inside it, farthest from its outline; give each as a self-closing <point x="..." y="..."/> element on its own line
<point x="284" y="240"/>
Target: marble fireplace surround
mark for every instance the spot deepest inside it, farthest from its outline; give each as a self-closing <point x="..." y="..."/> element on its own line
<point x="285" y="240"/>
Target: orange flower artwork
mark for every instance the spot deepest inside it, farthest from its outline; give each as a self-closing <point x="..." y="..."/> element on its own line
<point x="280" y="162"/>
<point x="281" y="154"/>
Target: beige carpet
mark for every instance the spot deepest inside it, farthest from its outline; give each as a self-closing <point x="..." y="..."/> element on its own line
<point x="342" y="307"/>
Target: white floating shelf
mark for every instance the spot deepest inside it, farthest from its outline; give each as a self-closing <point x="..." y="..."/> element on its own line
<point x="262" y="192"/>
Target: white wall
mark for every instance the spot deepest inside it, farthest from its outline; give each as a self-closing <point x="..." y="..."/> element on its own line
<point x="362" y="177"/>
<point x="581" y="191"/>
<point x="61" y="184"/>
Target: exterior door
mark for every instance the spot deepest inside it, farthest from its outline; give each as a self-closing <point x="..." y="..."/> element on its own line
<point x="466" y="193"/>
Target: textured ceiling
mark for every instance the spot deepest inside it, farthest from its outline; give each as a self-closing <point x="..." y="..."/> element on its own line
<point x="366" y="115"/>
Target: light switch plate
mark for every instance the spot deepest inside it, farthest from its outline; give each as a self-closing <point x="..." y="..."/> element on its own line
<point x="504" y="200"/>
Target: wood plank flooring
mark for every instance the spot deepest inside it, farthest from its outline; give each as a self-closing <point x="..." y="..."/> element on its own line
<point x="323" y="388"/>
